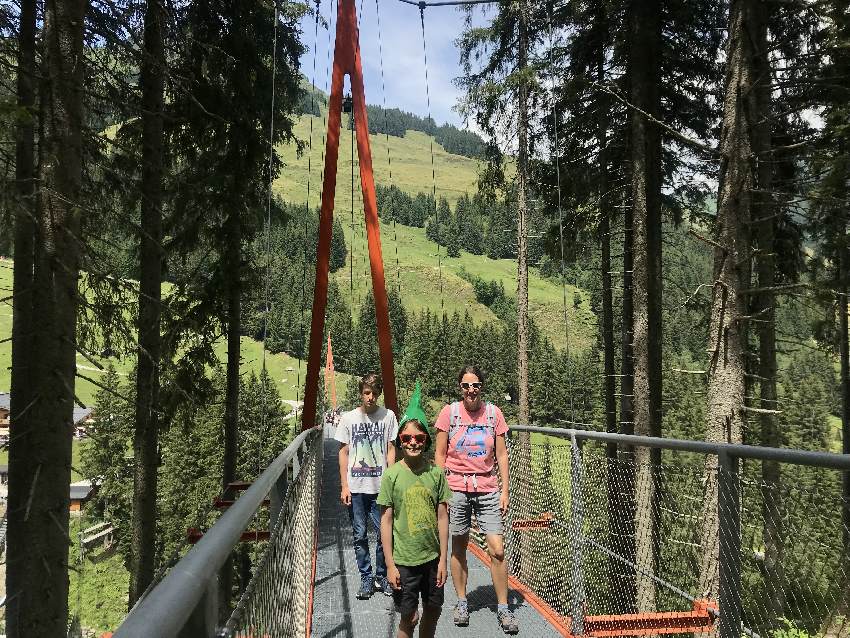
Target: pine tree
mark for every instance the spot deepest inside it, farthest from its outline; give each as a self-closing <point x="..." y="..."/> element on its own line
<point x="105" y="458"/>
<point x="727" y="341"/>
<point x="146" y="438"/>
<point x="40" y="456"/>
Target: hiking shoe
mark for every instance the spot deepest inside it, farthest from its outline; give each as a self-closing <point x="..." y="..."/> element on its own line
<point x="383" y="585"/>
<point x="461" y="615"/>
<point x="507" y="622"/>
<point x="366" y="588"/>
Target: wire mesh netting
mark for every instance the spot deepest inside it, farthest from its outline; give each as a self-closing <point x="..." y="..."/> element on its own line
<point x="276" y="601"/>
<point x="596" y="534"/>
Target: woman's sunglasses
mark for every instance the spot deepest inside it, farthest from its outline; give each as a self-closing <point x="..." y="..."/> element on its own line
<point x="419" y="438"/>
<point x="475" y="384"/>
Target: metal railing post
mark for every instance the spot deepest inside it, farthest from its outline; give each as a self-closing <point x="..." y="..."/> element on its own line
<point x="203" y="622"/>
<point x="729" y="539"/>
<point x="576" y="539"/>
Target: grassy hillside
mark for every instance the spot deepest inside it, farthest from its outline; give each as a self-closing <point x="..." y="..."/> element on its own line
<point x="420" y="288"/>
<point x="409" y="168"/>
<point x="417" y="256"/>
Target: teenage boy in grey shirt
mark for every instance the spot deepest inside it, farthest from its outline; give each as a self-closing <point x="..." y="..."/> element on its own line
<point x="366" y="434"/>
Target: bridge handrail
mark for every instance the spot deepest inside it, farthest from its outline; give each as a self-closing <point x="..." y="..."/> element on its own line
<point x="734" y="450"/>
<point x="167" y="607"/>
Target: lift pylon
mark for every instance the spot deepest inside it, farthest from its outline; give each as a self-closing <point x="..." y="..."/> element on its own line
<point x="347" y="62"/>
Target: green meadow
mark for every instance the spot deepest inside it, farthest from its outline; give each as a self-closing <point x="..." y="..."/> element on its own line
<point x="401" y="161"/>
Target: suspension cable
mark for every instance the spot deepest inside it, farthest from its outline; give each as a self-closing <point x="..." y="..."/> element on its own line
<point x="423" y="5"/>
<point x="268" y="229"/>
<point x="302" y="305"/>
<point x="555" y="154"/>
<point x="387" y="132"/>
<point x="433" y="170"/>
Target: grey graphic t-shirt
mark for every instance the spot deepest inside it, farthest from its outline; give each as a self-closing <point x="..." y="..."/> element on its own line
<point x="367" y="436"/>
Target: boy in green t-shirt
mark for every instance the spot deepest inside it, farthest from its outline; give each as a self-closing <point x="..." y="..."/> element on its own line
<point x="415" y="526"/>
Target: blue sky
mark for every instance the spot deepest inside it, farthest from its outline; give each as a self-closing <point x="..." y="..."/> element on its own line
<point x="404" y="73"/>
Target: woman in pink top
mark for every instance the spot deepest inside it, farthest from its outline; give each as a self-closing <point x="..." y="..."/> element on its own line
<point x="470" y="442"/>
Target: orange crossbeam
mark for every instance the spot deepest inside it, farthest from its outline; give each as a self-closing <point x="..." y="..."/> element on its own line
<point x="648" y="624"/>
<point x="544" y="521"/>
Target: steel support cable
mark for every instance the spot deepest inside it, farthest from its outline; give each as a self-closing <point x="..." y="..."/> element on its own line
<point x="387" y="132"/>
<point x="301" y="306"/>
<point x="433" y="169"/>
<point x="448" y="3"/>
<point x="362" y="218"/>
<point x="268" y="232"/>
<point x="556" y="155"/>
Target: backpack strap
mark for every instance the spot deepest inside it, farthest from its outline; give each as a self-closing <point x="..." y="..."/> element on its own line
<point x="490" y="415"/>
<point x="454" y="419"/>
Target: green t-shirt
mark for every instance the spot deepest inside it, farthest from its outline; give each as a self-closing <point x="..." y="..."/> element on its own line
<point x="414" y="499"/>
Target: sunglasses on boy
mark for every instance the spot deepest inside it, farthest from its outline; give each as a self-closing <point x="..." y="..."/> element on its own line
<point x="475" y="384"/>
<point x="419" y="438"/>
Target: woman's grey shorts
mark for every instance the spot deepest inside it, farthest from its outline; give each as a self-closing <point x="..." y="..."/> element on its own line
<point x="485" y="506"/>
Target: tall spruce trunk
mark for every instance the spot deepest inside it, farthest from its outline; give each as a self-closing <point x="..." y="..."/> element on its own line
<point x="625" y="522"/>
<point x="765" y="310"/>
<point x="834" y="625"/>
<point x="21" y="469"/>
<point x="522" y="221"/>
<point x="732" y="254"/>
<point x="234" y="328"/>
<point x="146" y="435"/>
<point x="233" y="261"/>
<point x="527" y="571"/>
<point x="645" y="147"/>
<point x="844" y="347"/>
<point x="38" y="526"/>
<point x="609" y="365"/>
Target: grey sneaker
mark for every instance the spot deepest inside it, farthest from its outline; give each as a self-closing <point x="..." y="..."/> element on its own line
<point x="383" y="585"/>
<point x="461" y="615"/>
<point x="366" y="588"/>
<point x="507" y="622"/>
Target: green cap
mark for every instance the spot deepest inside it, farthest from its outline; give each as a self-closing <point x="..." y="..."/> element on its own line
<point x="414" y="410"/>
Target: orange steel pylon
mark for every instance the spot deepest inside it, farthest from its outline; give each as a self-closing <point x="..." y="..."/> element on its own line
<point x="347" y="62"/>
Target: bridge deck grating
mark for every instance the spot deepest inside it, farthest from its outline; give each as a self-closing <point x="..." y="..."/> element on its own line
<point x="338" y="614"/>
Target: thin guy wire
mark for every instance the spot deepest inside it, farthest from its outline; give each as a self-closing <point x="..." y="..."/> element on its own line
<point x="433" y="170"/>
<point x="560" y="209"/>
<point x="387" y="132"/>
<point x="267" y="285"/>
<point x="307" y="209"/>
<point x="353" y="233"/>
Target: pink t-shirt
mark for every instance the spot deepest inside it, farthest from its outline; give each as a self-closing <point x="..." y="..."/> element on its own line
<point x="471" y="456"/>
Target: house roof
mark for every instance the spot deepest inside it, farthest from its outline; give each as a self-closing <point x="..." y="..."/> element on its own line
<point x="80" y="490"/>
<point x="80" y="414"/>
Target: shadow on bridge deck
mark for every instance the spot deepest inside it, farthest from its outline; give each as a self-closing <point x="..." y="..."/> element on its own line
<point x="338" y="614"/>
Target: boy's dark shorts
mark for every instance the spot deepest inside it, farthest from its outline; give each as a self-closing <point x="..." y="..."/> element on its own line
<point x="416" y="580"/>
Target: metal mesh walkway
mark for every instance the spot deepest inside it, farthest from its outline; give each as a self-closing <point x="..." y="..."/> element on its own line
<point x="337" y="612"/>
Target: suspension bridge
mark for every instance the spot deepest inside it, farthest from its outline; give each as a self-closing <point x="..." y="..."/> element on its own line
<point x="578" y="565"/>
<point x="606" y="534"/>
